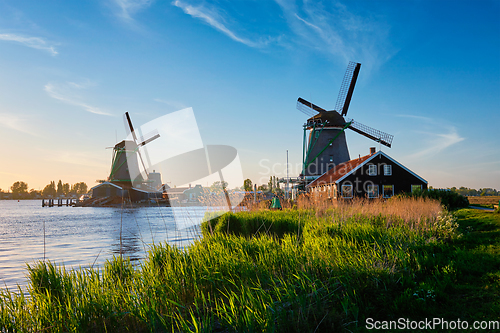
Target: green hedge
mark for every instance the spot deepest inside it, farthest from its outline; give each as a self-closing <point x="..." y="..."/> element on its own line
<point x="277" y="223"/>
<point x="449" y="199"/>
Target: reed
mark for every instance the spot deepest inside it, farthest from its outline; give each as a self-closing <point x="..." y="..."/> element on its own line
<point x="294" y="270"/>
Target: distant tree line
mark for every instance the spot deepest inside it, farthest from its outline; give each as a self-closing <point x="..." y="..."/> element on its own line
<point x="19" y="190"/>
<point x="465" y="191"/>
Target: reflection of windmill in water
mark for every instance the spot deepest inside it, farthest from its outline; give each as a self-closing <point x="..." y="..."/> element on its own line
<point x="327" y="145"/>
<point x="127" y="160"/>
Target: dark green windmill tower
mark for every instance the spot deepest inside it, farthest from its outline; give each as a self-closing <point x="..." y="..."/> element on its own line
<point x="326" y="145"/>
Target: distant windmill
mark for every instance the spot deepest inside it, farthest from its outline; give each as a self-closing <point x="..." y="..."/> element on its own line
<point x="327" y="145"/>
<point x="126" y="155"/>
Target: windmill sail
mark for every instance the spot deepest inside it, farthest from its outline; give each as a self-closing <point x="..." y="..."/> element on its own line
<point x="372" y="133"/>
<point x="148" y="137"/>
<point x="141" y="142"/>
<point x="308" y="108"/>
<point x="347" y="87"/>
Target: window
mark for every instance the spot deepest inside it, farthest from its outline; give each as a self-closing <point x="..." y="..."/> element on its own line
<point x="372" y="170"/>
<point x="388" y="191"/>
<point x="387" y="170"/>
<point x="372" y="191"/>
<point x="416" y="188"/>
<point x="346" y="191"/>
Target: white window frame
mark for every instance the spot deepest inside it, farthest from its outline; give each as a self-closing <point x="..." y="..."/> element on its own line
<point x="383" y="191"/>
<point x="369" y="192"/>
<point x="346" y="185"/>
<point x="387" y="170"/>
<point x="412" y="190"/>
<point x="372" y="170"/>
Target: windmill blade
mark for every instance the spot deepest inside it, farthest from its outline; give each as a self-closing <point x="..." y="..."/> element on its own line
<point x="130" y="126"/>
<point x="126" y="125"/>
<point x="144" y="140"/>
<point x="347" y="87"/>
<point x="372" y="133"/>
<point x="308" y="108"/>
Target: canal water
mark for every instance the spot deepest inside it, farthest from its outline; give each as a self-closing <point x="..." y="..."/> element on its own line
<point x="85" y="236"/>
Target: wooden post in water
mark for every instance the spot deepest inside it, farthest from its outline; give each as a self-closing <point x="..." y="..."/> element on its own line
<point x="254" y="193"/>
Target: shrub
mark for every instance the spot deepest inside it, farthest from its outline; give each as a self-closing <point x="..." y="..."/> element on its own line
<point x="449" y="199"/>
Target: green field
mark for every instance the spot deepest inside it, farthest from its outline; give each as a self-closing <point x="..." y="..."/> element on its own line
<point x="484" y="201"/>
<point x="296" y="270"/>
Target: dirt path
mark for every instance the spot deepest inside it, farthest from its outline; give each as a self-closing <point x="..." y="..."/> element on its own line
<point x="482" y="208"/>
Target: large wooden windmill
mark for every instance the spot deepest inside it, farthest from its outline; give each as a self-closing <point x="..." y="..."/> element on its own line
<point x="327" y="145"/>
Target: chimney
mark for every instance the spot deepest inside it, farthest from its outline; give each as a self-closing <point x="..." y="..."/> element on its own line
<point x="373" y="150"/>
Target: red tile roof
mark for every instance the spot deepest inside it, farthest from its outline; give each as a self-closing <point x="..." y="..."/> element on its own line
<point x="337" y="172"/>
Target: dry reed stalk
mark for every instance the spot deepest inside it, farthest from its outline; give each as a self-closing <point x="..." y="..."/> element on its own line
<point x="413" y="212"/>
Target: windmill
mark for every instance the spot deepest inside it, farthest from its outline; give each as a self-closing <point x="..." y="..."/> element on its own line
<point x="127" y="159"/>
<point x="327" y="145"/>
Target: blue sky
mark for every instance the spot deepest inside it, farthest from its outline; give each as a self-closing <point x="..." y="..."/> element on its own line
<point x="430" y="76"/>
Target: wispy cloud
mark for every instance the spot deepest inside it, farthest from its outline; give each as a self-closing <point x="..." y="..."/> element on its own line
<point x="18" y="123"/>
<point x="212" y="17"/>
<point x="427" y="119"/>
<point x="337" y="31"/>
<point x="126" y="8"/>
<point x="33" y="42"/>
<point x="437" y="142"/>
<point x="175" y="104"/>
<point x="68" y="93"/>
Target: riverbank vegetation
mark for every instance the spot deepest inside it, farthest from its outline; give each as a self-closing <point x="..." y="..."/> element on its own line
<point x="313" y="267"/>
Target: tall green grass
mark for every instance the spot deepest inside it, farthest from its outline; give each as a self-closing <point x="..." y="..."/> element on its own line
<point x="259" y="271"/>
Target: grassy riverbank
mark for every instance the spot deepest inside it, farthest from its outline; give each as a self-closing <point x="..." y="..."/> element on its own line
<point x="298" y="270"/>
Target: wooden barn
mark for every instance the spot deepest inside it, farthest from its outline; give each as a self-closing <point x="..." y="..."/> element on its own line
<point x="371" y="176"/>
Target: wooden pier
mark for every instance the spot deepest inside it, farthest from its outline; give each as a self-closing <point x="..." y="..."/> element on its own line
<point x="58" y="202"/>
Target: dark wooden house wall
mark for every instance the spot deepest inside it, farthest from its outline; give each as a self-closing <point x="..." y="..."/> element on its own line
<point x="401" y="179"/>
